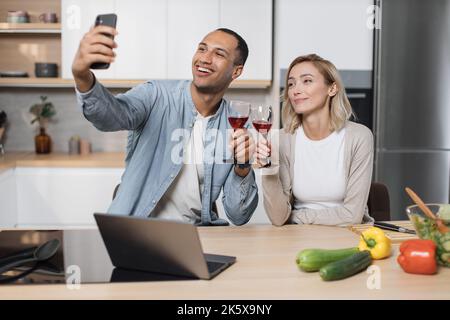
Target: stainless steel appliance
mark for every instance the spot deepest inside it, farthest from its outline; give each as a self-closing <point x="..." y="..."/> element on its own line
<point x="412" y="98"/>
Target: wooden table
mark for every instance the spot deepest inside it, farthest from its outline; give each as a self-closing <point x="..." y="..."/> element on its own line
<point x="265" y="269"/>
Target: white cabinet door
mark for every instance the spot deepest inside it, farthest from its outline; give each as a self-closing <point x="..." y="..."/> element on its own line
<point x="77" y="17"/>
<point x="189" y="22"/>
<point x="142" y="39"/>
<point x="158" y="38"/>
<point x="335" y="30"/>
<point x="252" y="19"/>
<point x="63" y="196"/>
<point x="8" y="199"/>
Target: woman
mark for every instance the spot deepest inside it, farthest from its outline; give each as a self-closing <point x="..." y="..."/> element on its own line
<point x="325" y="161"/>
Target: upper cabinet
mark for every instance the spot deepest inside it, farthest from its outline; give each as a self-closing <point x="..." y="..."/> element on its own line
<point x="141" y="52"/>
<point x="142" y="40"/>
<point x="157" y="38"/>
<point x="336" y="30"/>
<point x="252" y="19"/>
<point x="189" y="22"/>
<point x="77" y="17"/>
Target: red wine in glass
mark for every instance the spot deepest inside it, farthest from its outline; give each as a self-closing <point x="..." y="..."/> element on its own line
<point x="237" y="122"/>
<point x="262" y="126"/>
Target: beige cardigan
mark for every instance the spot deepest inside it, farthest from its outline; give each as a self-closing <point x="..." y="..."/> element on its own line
<point x="358" y="162"/>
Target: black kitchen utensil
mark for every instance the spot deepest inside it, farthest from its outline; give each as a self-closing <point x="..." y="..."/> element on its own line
<point x="392" y="227"/>
<point x="41" y="253"/>
<point x="13" y="74"/>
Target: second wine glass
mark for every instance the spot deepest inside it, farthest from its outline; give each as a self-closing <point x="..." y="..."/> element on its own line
<point x="261" y="117"/>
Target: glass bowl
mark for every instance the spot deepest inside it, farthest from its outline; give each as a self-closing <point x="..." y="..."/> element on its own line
<point x="426" y="228"/>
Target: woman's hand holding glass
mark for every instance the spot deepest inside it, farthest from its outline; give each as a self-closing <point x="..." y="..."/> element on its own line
<point x="262" y="153"/>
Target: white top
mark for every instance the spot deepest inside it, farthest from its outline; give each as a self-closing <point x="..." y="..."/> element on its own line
<point x="183" y="200"/>
<point x="319" y="174"/>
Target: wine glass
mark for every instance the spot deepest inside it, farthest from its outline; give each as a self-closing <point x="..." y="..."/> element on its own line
<point x="261" y="117"/>
<point x="238" y="116"/>
<point x="240" y="113"/>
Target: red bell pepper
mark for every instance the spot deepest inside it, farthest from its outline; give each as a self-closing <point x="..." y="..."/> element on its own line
<point x="418" y="256"/>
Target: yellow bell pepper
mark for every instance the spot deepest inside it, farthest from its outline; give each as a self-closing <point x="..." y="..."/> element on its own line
<point x="375" y="241"/>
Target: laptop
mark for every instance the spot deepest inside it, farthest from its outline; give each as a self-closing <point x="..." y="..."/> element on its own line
<point x="158" y="246"/>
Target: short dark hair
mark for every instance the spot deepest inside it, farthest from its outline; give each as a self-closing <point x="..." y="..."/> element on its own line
<point x="241" y="47"/>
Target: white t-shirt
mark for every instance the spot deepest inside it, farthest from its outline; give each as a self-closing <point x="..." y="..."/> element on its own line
<point x="183" y="201"/>
<point x="319" y="174"/>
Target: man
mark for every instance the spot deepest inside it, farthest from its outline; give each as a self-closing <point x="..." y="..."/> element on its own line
<point x="164" y="177"/>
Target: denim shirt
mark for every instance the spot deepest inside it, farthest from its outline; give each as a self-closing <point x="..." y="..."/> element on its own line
<point x="160" y="116"/>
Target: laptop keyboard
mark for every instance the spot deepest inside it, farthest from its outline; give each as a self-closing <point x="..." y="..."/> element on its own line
<point x="213" y="266"/>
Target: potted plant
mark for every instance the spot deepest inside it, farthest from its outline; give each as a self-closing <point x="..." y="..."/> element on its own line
<point x="43" y="112"/>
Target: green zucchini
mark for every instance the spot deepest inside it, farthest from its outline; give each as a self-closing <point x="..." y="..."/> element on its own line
<point x="310" y="260"/>
<point x="346" y="267"/>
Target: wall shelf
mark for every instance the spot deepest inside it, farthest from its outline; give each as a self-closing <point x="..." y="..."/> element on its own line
<point x="30" y="28"/>
<point x="68" y="83"/>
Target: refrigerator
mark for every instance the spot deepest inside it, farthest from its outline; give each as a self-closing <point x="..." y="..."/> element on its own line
<point x="412" y="101"/>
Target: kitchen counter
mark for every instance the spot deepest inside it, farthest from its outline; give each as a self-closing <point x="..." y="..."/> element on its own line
<point x="8" y="160"/>
<point x="265" y="269"/>
<point x="31" y="159"/>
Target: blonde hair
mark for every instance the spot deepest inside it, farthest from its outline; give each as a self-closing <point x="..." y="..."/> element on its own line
<point x="340" y="108"/>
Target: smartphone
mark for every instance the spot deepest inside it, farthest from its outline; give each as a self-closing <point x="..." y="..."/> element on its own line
<point x="106" y="20"/>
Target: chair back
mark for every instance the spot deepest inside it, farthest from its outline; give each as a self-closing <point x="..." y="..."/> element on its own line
<point x="378" y="202"/>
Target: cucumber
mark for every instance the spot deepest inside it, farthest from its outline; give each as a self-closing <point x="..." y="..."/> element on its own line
<point x="310" y="260"/>
<point x="346" y="267"/>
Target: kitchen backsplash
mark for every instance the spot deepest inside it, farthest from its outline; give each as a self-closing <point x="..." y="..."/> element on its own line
<point x="69" y="119"/>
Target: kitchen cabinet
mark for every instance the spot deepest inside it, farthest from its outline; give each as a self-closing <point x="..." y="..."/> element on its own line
<point x="8" y="203"/>
<point x="63" y="196"/>
<point x="69" y="196"/>
<point x="158" y="40"/>
<point x="189" y="22"/>
<point x="335" y="30"/>
<point x="252" y="19"/>
<point x="77" y="17"/>
<point x="142" y="26"/>
<point x="65" y="190"/>
<point x="141" y="52"/>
